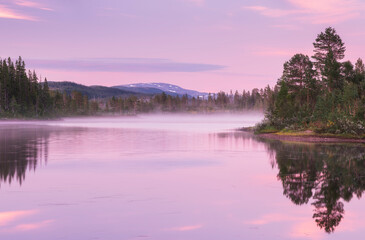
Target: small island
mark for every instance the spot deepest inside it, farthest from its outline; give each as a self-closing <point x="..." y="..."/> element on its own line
<point x="320" y="98"/>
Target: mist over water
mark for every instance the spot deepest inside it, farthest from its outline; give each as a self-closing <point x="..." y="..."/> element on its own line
<point x="173" y="177"/>
<point x="167" y="122"/>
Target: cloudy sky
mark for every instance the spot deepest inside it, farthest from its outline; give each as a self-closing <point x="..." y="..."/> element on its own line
<point x="208" y="45"/>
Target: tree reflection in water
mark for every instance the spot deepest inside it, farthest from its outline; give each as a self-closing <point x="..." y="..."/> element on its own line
<point x="21" y="149"/>
<point x="323" y="175"/>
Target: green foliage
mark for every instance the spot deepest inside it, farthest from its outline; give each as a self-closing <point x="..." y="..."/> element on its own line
<point x="327" y="95"/>
<point x="24" y="94"/>
<point x="265" y="127"/>
<point x="326" y="42"/>
<point x="331" y="73"/>
<point x="21" y="94"/>
<point x="256" y="100"/>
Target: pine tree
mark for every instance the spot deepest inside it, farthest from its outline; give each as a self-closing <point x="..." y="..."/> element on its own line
<point x="299" y="76"/>
<point x="326" y="42"/>
<point x="331" y="73"/>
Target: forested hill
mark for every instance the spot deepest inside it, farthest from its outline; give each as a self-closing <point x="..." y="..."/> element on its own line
<point x="138" y="89"/>
<point x="92" y="92"/>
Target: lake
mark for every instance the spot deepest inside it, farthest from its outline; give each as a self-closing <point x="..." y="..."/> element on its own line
<point x="175" y="177"/>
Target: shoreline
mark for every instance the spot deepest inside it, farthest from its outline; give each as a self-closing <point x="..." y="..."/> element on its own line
<point x="305" y="136"/>
<point x="311" y="138"/>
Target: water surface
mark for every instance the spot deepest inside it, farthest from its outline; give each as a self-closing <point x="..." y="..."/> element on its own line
<point x="174" y="177"/>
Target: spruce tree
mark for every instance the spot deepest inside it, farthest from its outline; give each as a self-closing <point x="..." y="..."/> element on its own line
<point x="299" y="76"/>
<point x="326" y="42"/>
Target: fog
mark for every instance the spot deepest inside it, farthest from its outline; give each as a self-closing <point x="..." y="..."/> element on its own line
<point x="168" y="122"/>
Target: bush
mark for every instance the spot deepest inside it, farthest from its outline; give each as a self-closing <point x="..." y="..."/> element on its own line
<point x="265" y="127"/>
<point x="340" y="125"/>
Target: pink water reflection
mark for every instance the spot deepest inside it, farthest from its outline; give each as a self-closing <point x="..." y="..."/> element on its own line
<point x="133" y="183"/>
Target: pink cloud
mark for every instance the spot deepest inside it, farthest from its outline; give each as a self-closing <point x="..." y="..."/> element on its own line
<point x="286" y="26"/>
<point x="329" y="11"/>
<point x="31" y="4"/>
<point x="186" y="228"/>
<point x="271" y="12"/>
<point x="31" y="226"/>
<point x="283" y="52"/>
<point x="197" y="2"/>
<point x="308" y="228"/>
<point x="315" y="11"/>
<point x="352" y="222"/>
<point x="272" y="218"/>
<point x="332" y="7"/>
<point x="8" y="217"/>
<point x="6" y="12"/>
<point x="274" y="52"/>
<point x="327" y="18"/>
<point x="8" y="221"/>
<point x="305" y="229"/>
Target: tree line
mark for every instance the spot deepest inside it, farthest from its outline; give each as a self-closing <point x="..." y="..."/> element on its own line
<point x="24" y="94"/>
<point x="20" y="91"/>
<point x="254" y="100"/>
<point x="322" y="93"/>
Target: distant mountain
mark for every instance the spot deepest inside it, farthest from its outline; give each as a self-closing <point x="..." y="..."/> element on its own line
<point x="138" y="89"/>
<point x="154" y="88"/>
<point x="92" y="91"/>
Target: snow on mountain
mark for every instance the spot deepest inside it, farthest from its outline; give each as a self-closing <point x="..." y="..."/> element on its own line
<point x="167" y="88"/>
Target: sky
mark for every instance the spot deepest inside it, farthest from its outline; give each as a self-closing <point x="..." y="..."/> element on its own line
<point x="206" y="45"/>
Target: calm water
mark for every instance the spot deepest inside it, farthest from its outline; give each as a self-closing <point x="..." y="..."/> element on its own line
<point x="174" y="177"/>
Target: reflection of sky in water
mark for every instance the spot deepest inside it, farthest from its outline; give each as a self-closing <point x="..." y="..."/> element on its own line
<point x="168" y="122"/>
<point x="140" y="183"/>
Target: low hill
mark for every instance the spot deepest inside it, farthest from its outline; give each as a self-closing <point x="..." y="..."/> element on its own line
<point x="138" y="89"/>
<point x="92" y="91"/>
<point x="143" y="90"/>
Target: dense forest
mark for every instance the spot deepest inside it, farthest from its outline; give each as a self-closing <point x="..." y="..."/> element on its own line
<point x="20" y="92"/>
<point x="254" y="100"/>
<point x="322" y="93"/>
<point x="25" y="95"/>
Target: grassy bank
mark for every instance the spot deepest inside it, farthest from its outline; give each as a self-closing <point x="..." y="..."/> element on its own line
<point x="308" y="135"/>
